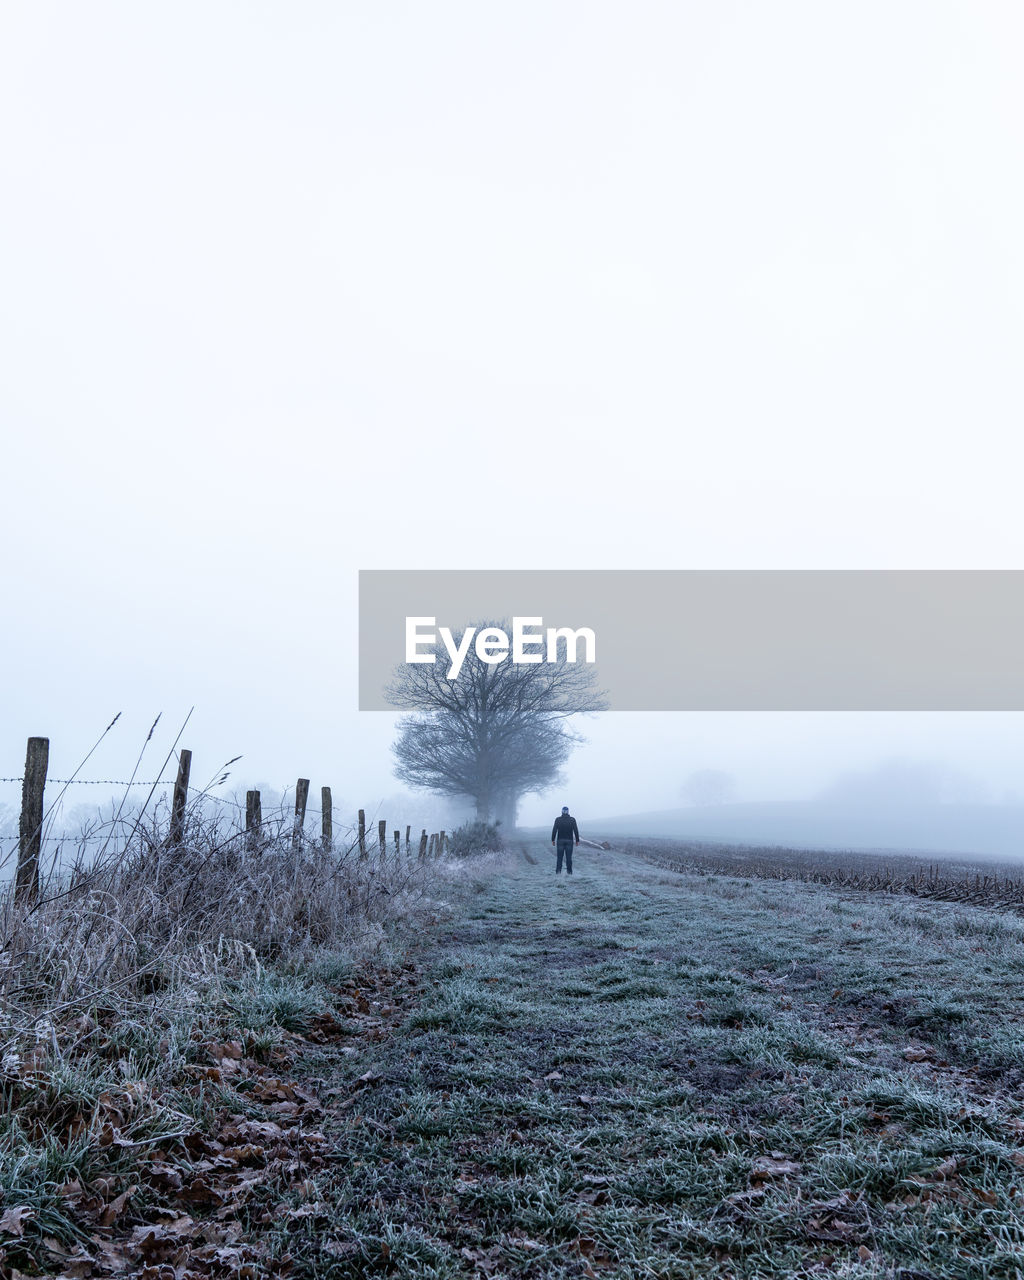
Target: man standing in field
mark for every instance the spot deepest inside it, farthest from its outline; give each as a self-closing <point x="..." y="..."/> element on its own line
<point x="565" y="831"/>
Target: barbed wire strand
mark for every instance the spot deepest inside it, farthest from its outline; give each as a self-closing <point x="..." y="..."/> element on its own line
<point x="100" y="782"/>
<point x="161" y="782"/>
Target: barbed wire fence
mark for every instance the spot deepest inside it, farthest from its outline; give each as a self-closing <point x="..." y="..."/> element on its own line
<point x="99" y="782"/>
<point x="33" y="831"/>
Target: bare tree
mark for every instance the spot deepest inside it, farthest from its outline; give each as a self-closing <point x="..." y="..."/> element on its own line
<point x="494" y="733"/>
<point x="709" y="786"/>
<point x="434" y="755"/>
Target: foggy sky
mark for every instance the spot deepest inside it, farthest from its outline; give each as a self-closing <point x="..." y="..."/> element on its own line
<point x="290" y="291"/>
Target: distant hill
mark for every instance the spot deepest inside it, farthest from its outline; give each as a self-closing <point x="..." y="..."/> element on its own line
<point x="986" y="829"/>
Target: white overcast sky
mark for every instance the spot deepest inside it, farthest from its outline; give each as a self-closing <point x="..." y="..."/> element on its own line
<point x="290" y="290"/>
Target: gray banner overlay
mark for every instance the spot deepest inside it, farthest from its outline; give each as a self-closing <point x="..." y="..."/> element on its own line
<point x="734" y="640"/>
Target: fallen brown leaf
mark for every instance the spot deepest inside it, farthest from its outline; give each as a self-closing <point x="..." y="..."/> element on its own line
<point x="12" y="1223"/>
<point x="115" y="1208"/>
<point x="773" y="1166"/>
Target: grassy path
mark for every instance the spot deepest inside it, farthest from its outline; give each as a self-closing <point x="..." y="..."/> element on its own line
<point x="634" y="1073"/>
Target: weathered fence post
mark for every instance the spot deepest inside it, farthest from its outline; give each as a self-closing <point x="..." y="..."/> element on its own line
<point x="382" y="835"/>
<point x="326" y="818"/>
<point x="407" y="831"/>
<point x="180" y="797"/>
<point x="301" y="796"/>
<point x="423" y="845"/>
<point x="398" y="847"/>
<point x="253" y="818"/>
<point x="362" y="833"/>
<point x="30" y="829"/>
<point x="440" y="844"/>
<point x="433" y="844"/>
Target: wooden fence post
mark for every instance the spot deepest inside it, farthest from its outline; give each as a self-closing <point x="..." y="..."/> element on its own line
<point x="408" y="829"/>
<point x="30" y="829"/>
<point x="433" y="844"/>
<point x="253" y="818"/>
<point x="301" y="796"/>
<point x="180" y="797"/>
<point x="326" y="818"/>
<point x="398" y="847"/>
<point x="423" y="845"/>
<point x="440" y="844"/>
<point x="382" y="834"/>
<point x="362" y="833"/>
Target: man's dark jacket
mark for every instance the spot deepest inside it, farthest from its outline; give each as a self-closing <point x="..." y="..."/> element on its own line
<point x="565" y="828"/>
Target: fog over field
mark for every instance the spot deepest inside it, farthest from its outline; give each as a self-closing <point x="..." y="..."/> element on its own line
<point x="296" y="292"/>
<point x="990" y="830"/>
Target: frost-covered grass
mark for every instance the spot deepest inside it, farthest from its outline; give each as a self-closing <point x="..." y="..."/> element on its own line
<point x="116" y="987"/>
<point x="636" y="1073"/>
<point x="632" y="1073"/>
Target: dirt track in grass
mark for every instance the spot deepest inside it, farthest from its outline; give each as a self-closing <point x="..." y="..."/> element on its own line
<point x="638" y="1073"/>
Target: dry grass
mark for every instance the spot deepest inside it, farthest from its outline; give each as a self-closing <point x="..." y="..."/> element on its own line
<point x="146" y="917"/>
<point x="119" y="984"/>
